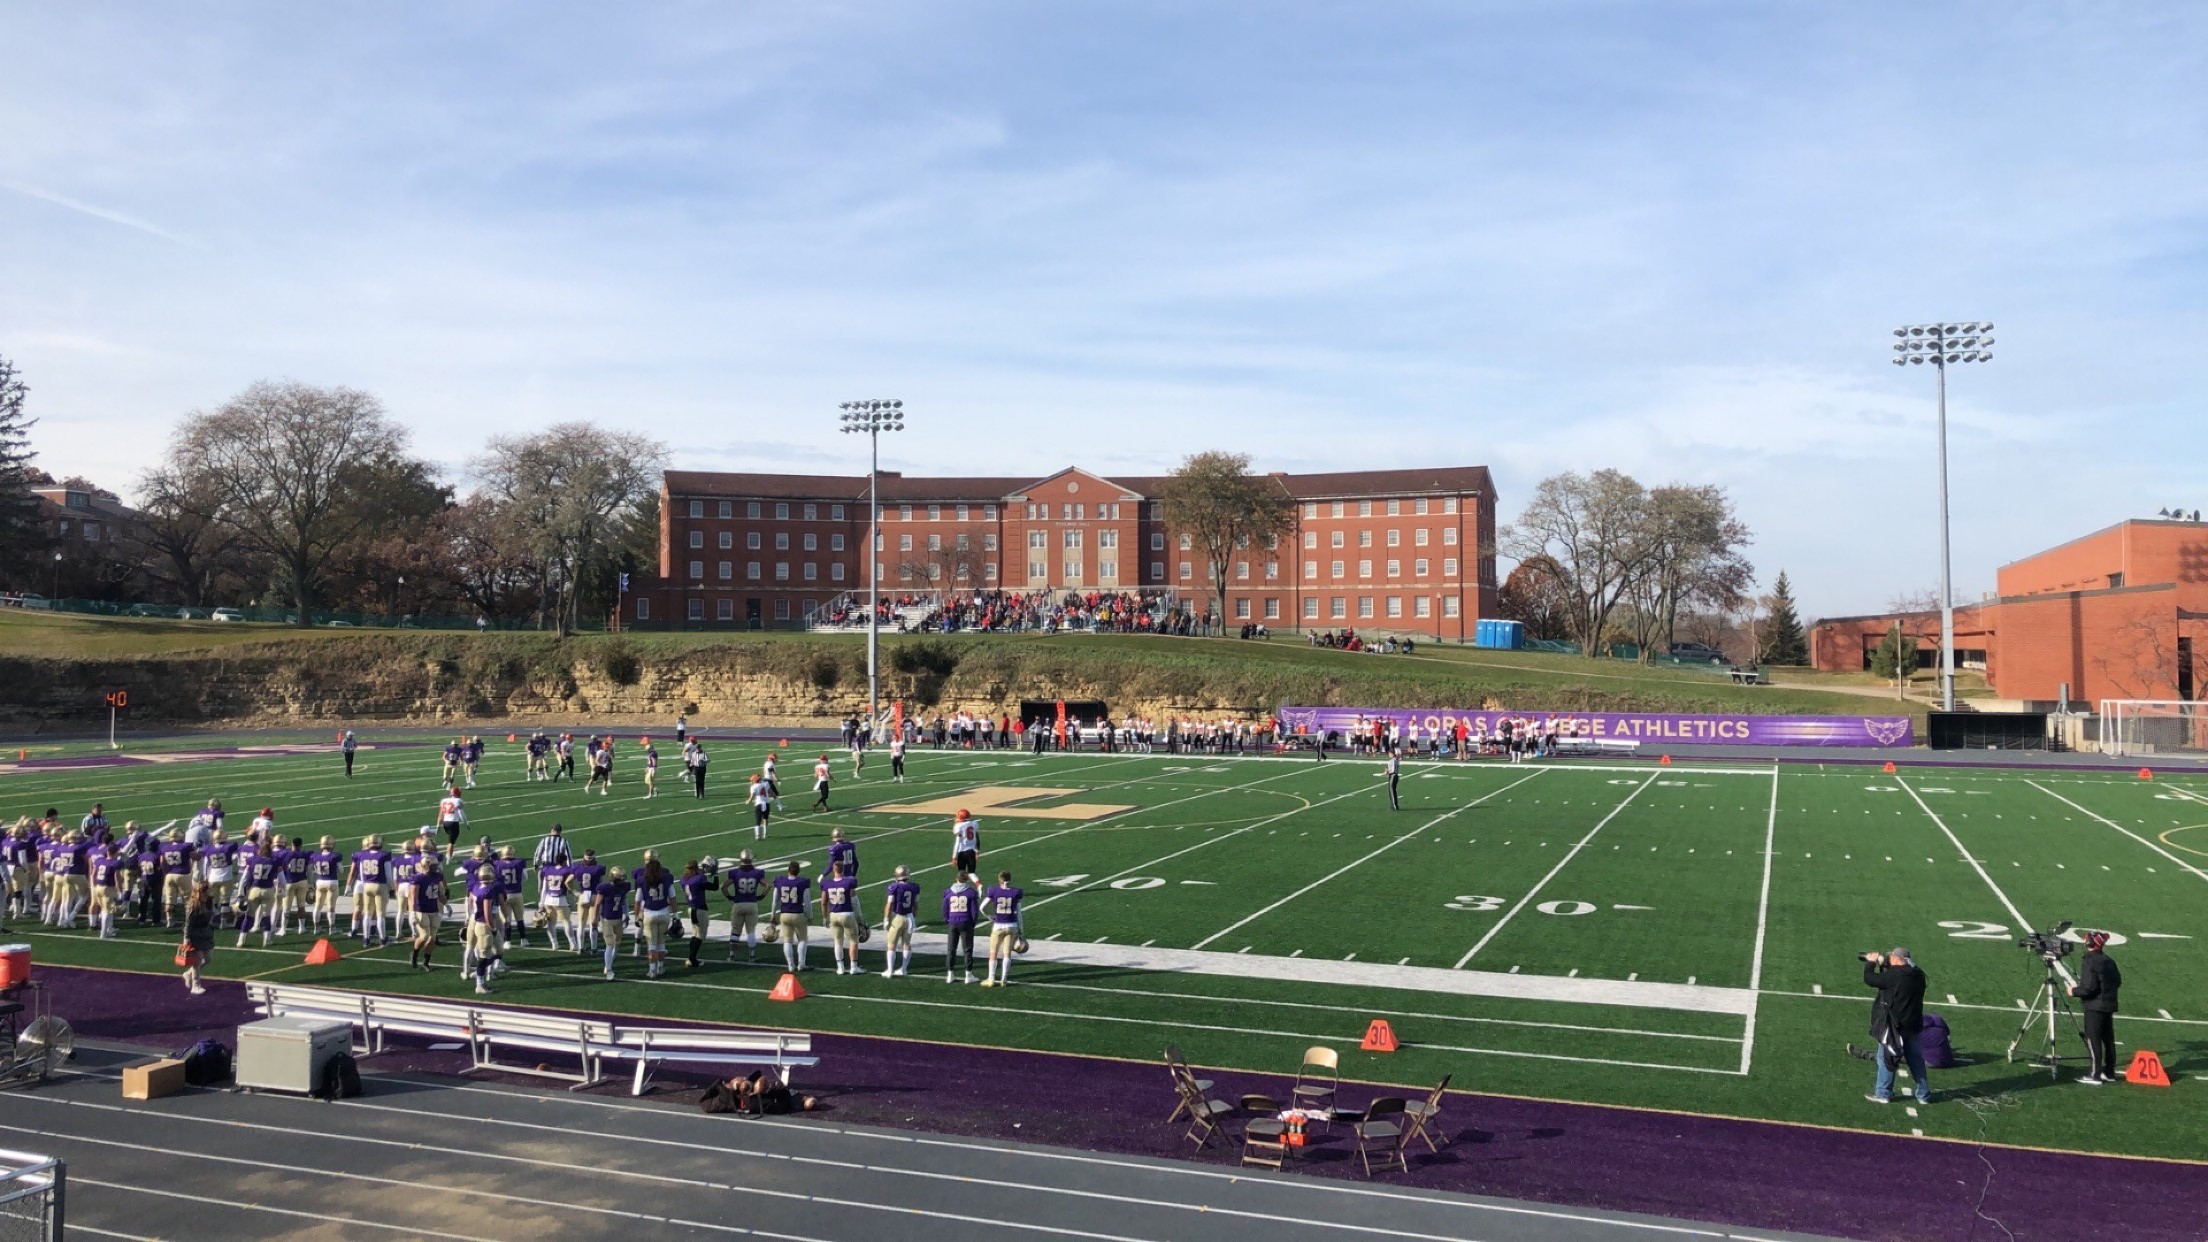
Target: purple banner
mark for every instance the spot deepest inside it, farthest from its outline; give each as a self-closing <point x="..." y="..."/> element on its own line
<point x="1880" y="731"/>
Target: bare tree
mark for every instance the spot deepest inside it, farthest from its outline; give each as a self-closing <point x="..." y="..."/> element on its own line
<point x="1594" y="530"/>
<point x="1695" y="560"/>
<point x="292" y="469"/>
<point x="564" y="491"/>
<point x="1224" y="510"/>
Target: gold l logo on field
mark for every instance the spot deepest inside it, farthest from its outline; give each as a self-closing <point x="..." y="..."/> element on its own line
<point x="1004" y="800"/>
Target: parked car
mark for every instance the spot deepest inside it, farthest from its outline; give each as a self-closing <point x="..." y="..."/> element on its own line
<point x="1696" y="651"/>
<point x="226" y="614"/>
<point x="32" y="599"/>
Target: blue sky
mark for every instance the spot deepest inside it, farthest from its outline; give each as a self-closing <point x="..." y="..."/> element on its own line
<point x="1670" y="238"/>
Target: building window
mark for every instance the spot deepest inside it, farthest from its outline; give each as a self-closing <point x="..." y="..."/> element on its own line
<point x="1242" y="571"/>
<point x="835" y="513"/>
<point x="1395" y="538"/>
<point x="812" y="572"/>
<point x="1310" y="510"/>
<point x="697" y="508"/>
<point x="751" y="570"/>
<point x="728" y="540"/>
<point x="1364" y="605"/>
<point x="1272" y="609"/>
<point x="643" y="608"/>
<point x="989" y="514"/>
<point x="962" y="511"/>
<point x="781" y="571"/>
<point x="1422" y="606"/>
<point x="904" y="543"/>
<point x="2115" y="581"/>
<point x="1420" y="506"/>
<point x="935" y="513"/>
<point x="1310" y="570"/>
<point x="751" y="509"/>
<point x="724" y="610"/>
<point x="1364" y="508"/>
<point x="1157" y="510"/>
<point x="1108" y="569"/>
<point x="1065" y="511"/>
<point x="1338" y="509"/>
<point x="1272" y="571"/>
<point x="1311" y="608"/>
<point x="727" y="570"/>
<point x="1187" y="541"/>
<point x="1364" y="539"/>
<point x="1335" y="568"/>
<point x="782" y="512"/>
<point x="1310" y="539"/>
<point x="782" y="609"/>
<point x="697" y="610"/>
<point x="1073" y="570"/>
<point x="1449" y="535"/>
<point x="1038" y="539"/>
<point x="1110" y="539"/>
<point x="728" y="508"/>
<point x="989" y="571"/>
<point x="1448" y="605"/>
<point x="835" y="542"/>
<point x="697" y="569"/>
<point x="1242" y="610"/>
<point x="1073" y="538"/>
<point x="904" y="513"/>
<point x="1419" y="536"/>
<point x="1418" y="567"/>
<point x="1337" y="607"/>
<point x="935" y="543"/>
<point x="697" y="539"/>
<point x="1037" y="571"/>
<point x="812" y="512"/>
<point x="989" y="541"/>
<point x="1448" y="567"/>
<point x="1157" y="571"/>
<point x="835" y="571"/>
<point x="751" y="540"/>
<point x="781" y="541"/>
<point x="1394" y="507"/>
<point x="1339" y="539"/>
<point x="965" y="542"/>
<point x="1364" y="569"/>
<point x="1449" y="505"/>
<point x="1185" y="569"/>
<point x="1395" y="605"/>
<point x="1157" y="541"/>
<point x="904" y="572"/>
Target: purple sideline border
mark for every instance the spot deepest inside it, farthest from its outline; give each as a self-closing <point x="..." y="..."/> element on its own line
<point x="1753" y="1174"/>
<point x="1896" y="732"/>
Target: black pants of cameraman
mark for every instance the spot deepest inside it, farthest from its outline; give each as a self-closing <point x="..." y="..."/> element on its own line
<point x="2100" y="1041"/>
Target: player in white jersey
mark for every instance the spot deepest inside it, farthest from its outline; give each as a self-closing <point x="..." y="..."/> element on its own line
<point x="774" y="787"/>
<point x="965" y="842"/>
<point x="821" y="781"/>
<point x="897" y="760"/>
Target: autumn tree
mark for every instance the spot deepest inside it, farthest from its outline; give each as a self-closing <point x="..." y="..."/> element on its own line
<point x="563" y="493"/>
<point x="1593" y="529"/>
<point x="1534" y="595"/>
<point x="1214" y="500"/>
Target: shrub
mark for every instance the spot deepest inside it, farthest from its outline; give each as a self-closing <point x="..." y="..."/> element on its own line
<point x="620" y="665"/>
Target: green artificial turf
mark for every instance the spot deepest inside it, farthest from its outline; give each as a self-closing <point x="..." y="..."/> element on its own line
<point x="1592" y="872"/>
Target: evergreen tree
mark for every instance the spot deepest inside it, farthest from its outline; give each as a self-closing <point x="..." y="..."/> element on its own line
<point x="1783" y="640"/>
<point x="1895" y="656"/>
<point x="23" y="540"/>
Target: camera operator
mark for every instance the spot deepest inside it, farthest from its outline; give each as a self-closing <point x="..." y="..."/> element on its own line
<point x="1897" y="1018"/>
<point x="2098" y="982"/>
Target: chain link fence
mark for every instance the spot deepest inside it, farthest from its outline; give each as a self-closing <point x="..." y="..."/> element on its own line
<point x="31" y="1195"/>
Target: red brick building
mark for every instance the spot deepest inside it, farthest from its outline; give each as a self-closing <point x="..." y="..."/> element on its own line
<point x="1409" y="551"/>
<point x="2121" y="613"/>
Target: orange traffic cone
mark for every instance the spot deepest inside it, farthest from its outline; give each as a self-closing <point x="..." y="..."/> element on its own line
<point x="1890" y="769"/>
<point x="1379" y="1037"/>
<point x="787" y="988"/>
<point x="2146" y="774"/>
<point x="512" y="737"/>
<point x="2146" y="1070"/>
<point x="785" y="743"/>
<point x="1665" y="761"/>
<point x="322" y="954"/>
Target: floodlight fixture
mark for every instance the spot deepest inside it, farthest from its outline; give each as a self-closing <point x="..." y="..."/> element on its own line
<point x="1944" y="345"/>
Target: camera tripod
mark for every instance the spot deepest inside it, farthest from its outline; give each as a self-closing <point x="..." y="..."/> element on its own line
<point x="2049" y="999"/>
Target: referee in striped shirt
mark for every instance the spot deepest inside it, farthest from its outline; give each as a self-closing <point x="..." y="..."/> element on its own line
<point x="552" y="851"/>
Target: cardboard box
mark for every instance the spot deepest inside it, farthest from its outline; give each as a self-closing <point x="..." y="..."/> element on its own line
<point x="150" y="1080"/>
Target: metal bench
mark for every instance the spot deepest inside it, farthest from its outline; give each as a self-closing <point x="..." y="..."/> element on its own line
<point x="1747" y="676"/>
<point x="648" y="1046"/>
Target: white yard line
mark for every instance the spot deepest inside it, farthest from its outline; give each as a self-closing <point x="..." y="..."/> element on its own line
<point x="1561" y="863"/>
<point x="1342" y="871"/>
<point x="1763" y="919"/>
<point x="2120" y="828"/>
<point x="1976" y="866"/>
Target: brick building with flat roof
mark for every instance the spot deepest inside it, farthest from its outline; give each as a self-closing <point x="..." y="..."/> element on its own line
<point x="1407" y="551"/>
<point x="2121" y="613"/>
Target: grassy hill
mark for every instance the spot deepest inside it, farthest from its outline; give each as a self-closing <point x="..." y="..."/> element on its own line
<point x="210" y="672"/>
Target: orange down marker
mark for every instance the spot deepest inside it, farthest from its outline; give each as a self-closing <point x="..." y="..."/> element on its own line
<point x="787" y="988"/>
<point x="1379" y="1037"/>
<point x="2146" y="1070"/>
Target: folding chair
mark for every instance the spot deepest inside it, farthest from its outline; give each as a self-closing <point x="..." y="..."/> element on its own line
<point x="1317" y="1080"/>
<point x="1204" y="1113"/>
<point x="1383" y="1130"/>
<point x="1176" y="1065"/>
<point x="1423" y="1112"/>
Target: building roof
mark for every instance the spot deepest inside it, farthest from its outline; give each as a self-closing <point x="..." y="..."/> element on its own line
<point x="99" y="506"/>
<point x="901" y="488"/>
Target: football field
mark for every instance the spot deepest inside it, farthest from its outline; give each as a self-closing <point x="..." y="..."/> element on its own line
<point x="1675" y="937"/>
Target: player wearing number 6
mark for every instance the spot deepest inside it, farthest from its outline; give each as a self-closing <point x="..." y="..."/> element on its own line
<point x="1007" y="935"/>
<point x="965" y="842"/>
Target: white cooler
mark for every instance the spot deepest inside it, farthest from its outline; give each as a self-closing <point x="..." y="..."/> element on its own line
<point x="289" y="1054"/>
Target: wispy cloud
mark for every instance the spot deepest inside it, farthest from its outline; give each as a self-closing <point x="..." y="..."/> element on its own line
<point x="98" y="213"/>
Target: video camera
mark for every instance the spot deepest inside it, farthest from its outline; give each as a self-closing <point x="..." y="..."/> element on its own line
<point x="2049" y="946"/>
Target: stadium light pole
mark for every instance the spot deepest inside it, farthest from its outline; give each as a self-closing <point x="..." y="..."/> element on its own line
<point x="1944" y="345"/>
<point x="871" y="419"/>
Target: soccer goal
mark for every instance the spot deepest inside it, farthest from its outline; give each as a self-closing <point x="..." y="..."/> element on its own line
<point x="2153" y="727"/>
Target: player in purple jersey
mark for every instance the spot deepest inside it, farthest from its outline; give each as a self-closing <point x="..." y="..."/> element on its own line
<point x="262" y="881"/>
<point x="843" y="853"/>
<point x="178" y="862"/>
<point x="370" y="876"/>
<point x="107" y="872"/>
<point x="585" y="877"/>
<point x="609" y="909"/>
<point x="486" y="914"/>
<point x="298" y="885"/>
<point x="556" y="911"/>
<point x="696" y="885"/>
<point x="513" y="876"/>
<point x="839" y="908"/>
<point x="1007" y="935"/>
<point x="961" y="909"/>
<point x="789" y="915"/>
<point x="900" y="909"/>
<point x="429" y="910"/>
<point x="326" y="872"/>
<point x="744" y="886"/>
<point x="655" y="912"/>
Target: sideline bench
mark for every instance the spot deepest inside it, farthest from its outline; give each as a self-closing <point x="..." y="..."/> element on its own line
<point x="592" y="1042"/>
<point x="1747" y="676"/>
<point x="1597" y="746"/>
